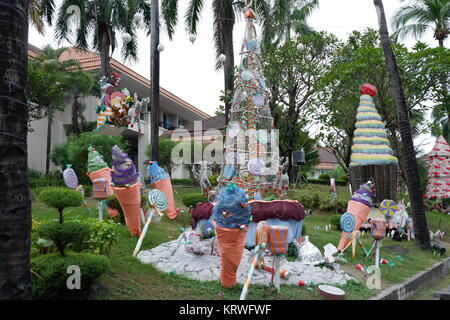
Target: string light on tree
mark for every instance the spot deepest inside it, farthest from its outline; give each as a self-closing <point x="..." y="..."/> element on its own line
<point x="192" y="37"/>
<point x="222" y="58"/>
<point x="138" y="17"/>
<point x="160" y="47"/>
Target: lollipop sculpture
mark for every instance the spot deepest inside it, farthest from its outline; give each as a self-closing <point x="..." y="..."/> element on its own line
<point x="160" y="179"/>
<point x="158" y="202"/>
<point x="126" y="185"/>
<point x="71" y="181"/>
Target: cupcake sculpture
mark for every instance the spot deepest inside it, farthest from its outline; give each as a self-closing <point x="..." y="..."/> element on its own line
<point x="231" y="215"/>
<point x="97" y="168"/>
<point x="359" y="206"/>
<point x="372" y="156"/>
<point x="125" y="180"/>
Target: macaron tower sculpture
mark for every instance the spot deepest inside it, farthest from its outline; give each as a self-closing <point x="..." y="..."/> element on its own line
<point x="372" y="156"/>
<point x="97" y="168"/>
<point x="438" y="186"/>
<point x="247" y="159"/>
<point x="231" y="215"/>
<point x="126" y="185"/>
<point x="359" y="207"/>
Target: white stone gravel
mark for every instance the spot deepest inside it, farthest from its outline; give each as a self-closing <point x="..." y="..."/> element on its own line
<point x="172" y="257"/>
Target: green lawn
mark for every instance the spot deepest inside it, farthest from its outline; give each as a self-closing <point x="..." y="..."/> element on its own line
<point x="130" y="279"/>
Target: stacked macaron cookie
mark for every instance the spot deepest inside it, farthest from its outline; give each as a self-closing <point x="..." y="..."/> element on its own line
<point x="370" y="143"/>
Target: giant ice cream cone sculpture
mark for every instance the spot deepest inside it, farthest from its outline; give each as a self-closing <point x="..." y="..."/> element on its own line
<point x="231" y="216"/>
<point x="359" y="206"/>
<point x="126" y="184"/>
<point x="372" y="156"/>
<point x="160" y="179"/>
<point x="98" y="169"/>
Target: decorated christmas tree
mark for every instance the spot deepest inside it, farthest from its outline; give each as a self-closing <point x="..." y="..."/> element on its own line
<point x="438" y="185"/>
<point x="248" y="157"/>
<point x="372" y="156"/>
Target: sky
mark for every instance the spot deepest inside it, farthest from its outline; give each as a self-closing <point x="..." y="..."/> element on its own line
<point x="188" y="69"/>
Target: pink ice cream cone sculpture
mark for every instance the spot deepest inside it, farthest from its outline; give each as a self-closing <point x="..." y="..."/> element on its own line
<point x="160" y="180"/>
<point x="126" y="185"/>
<point x="359" y="206"/>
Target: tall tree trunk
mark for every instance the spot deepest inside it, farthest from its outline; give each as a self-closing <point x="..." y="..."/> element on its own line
<point x="154" y="73"/>
<point x="105" y="44"/>
<point x="75" y="114"/>
<point x="49" y="137"/>
<point x="227" y="34"/>
<point x="412" y="172"/>
<point x="15" y="204"/>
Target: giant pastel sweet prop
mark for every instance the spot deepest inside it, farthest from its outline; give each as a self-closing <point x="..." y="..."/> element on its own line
<point x="438" y="185"/>
<point x="117" y="107"/>
<point x="70" y="178"/>
<point x="278" y="240"/>
<point x="98" y="169"/>
<point x="359" y="206"/>
<point x="126" y="186"/>
<point x="160" y="179"/>
<point x="231" y="215"/>
<point x="372" y="156"/>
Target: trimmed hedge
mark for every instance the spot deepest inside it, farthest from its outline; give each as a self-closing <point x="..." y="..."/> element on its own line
<point x="41" y="183"/>
<point x="64" y="234"/>
<point x="50" y="274"/>
<point x="191" y="199"/>
<point x="335" y="220"/>
<point x="339" y="182"/>
<point x="185" y="182"/>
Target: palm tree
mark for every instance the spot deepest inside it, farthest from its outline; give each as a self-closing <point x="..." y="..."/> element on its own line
<point x="412" y="172"/>
<point x="38" y="10"/>
<point x="104" y="19"/>
<point x="15" y="203"/>
<point x="59" y="79"/>
<point x="224" y="12"/>
<point x="287" y="16"/>
<point x="418" y="17"/>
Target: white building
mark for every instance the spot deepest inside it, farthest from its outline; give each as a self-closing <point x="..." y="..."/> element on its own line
<point x="173" y="113"/>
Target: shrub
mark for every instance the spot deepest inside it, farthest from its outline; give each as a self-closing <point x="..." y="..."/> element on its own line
<point x="102" y="234"/>
<point x="185" y="182"/>
<point x="61" y="198"/>
<point x="324" y="176"/>
<point x="77" y="150"/>
<point x="335" y="220"/>
<point x="64" y="234"/>
<point x="213" y="179"/>
<point x="321" y="200"/>
<point x="49" y="273"/>
<point x="191" y="199"/>
<point x="35" y="174"/>
<point x="54" y="175"/>
<point x="343" y="178"/>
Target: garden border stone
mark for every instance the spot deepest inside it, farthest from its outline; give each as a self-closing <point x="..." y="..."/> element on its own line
<point x="411" y="285"/>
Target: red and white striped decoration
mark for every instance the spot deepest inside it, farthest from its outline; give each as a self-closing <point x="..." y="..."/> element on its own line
<point x="439" y="171"/>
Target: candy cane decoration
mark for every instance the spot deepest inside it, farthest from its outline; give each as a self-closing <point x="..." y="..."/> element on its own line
<point x="256" y="256"/>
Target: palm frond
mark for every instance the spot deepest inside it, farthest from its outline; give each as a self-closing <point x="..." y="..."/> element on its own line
<point x="169" y="9"/>
<point x="192" y="15"/>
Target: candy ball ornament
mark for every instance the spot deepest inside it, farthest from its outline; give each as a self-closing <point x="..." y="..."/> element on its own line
<point x="222" y="58"/>
<point x="160" y="47"/>
<point x="369" y="89"/>
<point x="126" y="37"/>
<point x="138" y="17"/>
<point x="192" y="37"/>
